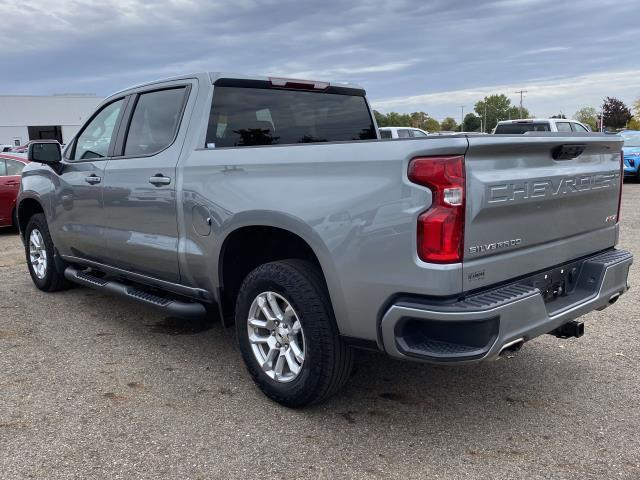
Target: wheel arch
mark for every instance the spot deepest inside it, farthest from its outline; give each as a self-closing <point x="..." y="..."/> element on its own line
<point x="252" y="244"/>
<point x="26" y="209"/>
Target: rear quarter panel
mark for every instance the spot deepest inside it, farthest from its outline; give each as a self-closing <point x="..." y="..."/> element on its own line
<point x="351" y="202"/>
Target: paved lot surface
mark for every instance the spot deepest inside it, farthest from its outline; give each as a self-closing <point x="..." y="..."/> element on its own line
<point x="92" y="386"/>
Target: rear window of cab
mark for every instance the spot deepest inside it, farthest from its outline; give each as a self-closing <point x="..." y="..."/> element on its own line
<point x="243" y="116"/>
<point x="519" y="128"/>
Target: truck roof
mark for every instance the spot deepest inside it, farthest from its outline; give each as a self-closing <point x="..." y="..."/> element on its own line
<point x="213" y="76"/>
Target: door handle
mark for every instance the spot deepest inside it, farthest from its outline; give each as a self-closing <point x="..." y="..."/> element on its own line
<point x="93" y="179"/>
<point x="159" y="179"/>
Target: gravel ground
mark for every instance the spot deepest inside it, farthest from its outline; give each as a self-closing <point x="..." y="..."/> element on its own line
<point x="92" y="386"/>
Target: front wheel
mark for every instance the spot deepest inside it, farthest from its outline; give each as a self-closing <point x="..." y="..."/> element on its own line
<point x="288" y="335"/>
<point x="40" y="256"/>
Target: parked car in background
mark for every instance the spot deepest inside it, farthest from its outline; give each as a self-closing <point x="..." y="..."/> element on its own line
<point x="402" y="132"/>
<point x="540" y="125"/>
<point x="10" y="171"/>
<point x="5" y="148"/>
<point x="631" y="150"/>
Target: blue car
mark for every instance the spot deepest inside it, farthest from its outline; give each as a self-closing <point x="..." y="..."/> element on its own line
<point x="631" y="149"/>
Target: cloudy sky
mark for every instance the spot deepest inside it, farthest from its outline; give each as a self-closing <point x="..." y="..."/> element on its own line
<point x="410" y="55"/>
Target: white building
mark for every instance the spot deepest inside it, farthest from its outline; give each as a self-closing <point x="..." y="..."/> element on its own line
<point x="25" y="117"/>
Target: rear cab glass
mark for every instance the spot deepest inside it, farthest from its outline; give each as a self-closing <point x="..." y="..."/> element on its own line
<point x="258" y="114"/>
<point x="564" y="127"/>
<point x="385" y="134"/>
<point x="520" y="128"/>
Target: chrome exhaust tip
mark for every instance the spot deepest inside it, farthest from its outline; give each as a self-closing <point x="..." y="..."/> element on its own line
<point x="512" y="346"/>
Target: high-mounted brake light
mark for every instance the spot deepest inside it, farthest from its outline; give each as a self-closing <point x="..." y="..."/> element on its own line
<point x="299" y="84"/>
<point x="441" y="227"/>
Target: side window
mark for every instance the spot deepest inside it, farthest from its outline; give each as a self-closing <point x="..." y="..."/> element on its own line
<point x="403" y="133"/>
<point x="155" y="120"/>
<point x="385" y="133"/>
<point x="14" y="168"/>
<point x="3" y="168"/>
<point x="579" y="128"/>
<point x="418" y="133"/>
<point x="95" y="139"/>
<point x="563" y="126"/>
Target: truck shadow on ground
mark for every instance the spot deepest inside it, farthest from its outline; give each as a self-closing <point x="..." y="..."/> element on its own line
<point x="8" y="232"/>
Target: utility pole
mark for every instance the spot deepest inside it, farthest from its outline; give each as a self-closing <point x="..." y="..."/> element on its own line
<point x="461" y="116"/>
<point x="521" y="92"/>
<point x="485" y="118"/>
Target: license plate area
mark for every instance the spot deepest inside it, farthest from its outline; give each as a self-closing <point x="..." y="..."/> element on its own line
<point x="557" y="282"/>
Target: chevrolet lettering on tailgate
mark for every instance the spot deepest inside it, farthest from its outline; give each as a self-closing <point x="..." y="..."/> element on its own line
<point x="550" y="187"/>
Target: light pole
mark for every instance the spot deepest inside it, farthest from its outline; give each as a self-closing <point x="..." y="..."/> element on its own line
<point x="485" y="116"/>
<point x="521" y="92"/>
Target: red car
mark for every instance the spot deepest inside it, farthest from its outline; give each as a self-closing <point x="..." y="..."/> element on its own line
<point x="10" y="171"/>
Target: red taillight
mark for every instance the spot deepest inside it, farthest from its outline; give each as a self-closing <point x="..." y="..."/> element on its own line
<point x="621" y="183"/>
<point x="441" y="227"/>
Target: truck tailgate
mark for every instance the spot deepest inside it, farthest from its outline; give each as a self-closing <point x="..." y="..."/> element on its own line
<point x="535" y="201"/>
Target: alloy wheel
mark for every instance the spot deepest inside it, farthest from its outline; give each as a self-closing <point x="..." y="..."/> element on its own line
<point x="38" y="253"/>
<point x="276" y="336"/>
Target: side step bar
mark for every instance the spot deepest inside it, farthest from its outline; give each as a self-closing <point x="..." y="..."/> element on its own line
<point x="174" y="308"/>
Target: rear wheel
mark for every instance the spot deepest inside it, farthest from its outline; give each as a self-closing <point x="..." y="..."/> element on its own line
<point x="288" y="336"/>
<point x="40" y="256"/>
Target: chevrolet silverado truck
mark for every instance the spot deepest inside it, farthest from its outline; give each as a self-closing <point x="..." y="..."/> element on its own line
<point x="273" y="204"/>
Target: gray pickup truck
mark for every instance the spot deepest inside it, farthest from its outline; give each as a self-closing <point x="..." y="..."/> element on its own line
<point x="273" y="204"/>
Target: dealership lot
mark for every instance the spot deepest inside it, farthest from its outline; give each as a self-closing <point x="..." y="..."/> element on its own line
<point x="93" y="386"/>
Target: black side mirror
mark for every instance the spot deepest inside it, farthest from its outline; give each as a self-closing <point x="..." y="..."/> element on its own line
<point x="45" y="152"/>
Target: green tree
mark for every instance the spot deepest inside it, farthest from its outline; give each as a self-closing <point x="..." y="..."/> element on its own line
<point x="616" y="113"/>
<point x="415" y="119"/>
<point x="418" y="119"/>
<point x="588" y="116"/>
<point x="381" y="118"/>
<point x="634" y="123"/>
<point x="431" y="125"/>
<point x="448" y="124"/>
<point x="471" y="123"/>
<point x="497" y="107"/>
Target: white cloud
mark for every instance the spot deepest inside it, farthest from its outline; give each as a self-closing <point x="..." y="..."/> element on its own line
<point x="538" y="51"/>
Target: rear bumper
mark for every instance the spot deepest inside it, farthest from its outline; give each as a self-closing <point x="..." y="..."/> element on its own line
<point x="480" y="326"/>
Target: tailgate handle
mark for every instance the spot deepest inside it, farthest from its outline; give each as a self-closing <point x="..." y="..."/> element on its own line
<point x="567" y="152"/>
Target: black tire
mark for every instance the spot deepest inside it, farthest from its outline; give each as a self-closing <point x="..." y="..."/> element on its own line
<point x="53" y="280"/>
<point x="328" y="360"/>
